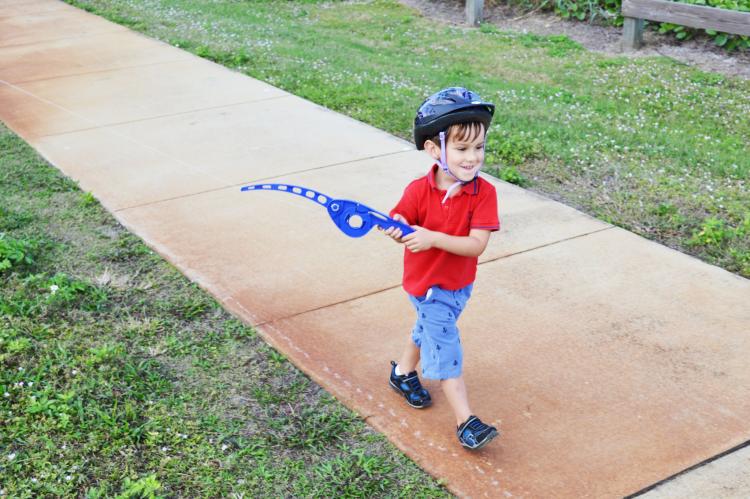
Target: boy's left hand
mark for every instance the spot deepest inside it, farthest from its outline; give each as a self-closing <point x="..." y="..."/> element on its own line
<point x="394" y="232"/>
<point x="420" y="240"/>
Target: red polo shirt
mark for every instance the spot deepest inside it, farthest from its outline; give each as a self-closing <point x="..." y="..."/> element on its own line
<point x="474" y="207"/>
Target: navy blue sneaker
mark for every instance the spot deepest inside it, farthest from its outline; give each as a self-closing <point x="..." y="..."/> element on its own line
<point x="409" y="386"/>
<point x="473" y="434"/>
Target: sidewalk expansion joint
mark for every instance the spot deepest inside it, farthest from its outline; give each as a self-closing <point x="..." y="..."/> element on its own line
<point x="53" y="40"/>
<point x="689" y="469"/>
<point x="257" y="181"/>
<point x="389" y="288"/>
<point x="321" y="167"/>
<point x="553" y="243"/>
<point x="105" y="126"/>
<point x="96" y="71"/>
<point x="327" y="305"/>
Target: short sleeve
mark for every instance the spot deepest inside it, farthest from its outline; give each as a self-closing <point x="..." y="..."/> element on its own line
<point x="485" y="215"/>
<point x="407" y="207"/>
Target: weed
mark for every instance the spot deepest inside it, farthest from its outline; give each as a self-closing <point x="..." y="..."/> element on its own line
<point x="127" y="247"/>
<point x="511" y="149"/>
<point x="88" y="199"/>
<point x="512" y="175"/>
<point x="15" y="253"/>
<point x="13" y="220"/>
<point x="714" y="232"/>
<point x="276" y="357"/>
<point x="488" y="29"/>
<point x="315" y="430"/>
<point x="143" y="488"/>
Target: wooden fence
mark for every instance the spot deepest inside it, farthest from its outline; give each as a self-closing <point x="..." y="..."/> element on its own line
<point x="474" y="12"/>
<point x="694" y="16"/>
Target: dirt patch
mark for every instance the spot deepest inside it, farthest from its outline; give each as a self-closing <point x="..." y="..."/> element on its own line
<point x="699" y="52"/>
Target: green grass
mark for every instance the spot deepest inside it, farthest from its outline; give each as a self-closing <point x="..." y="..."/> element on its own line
<point x="648" y="144"/>
<point x="119" y="378"/>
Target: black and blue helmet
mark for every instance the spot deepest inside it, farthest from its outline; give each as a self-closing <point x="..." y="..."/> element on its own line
<point x="447" y="107"/>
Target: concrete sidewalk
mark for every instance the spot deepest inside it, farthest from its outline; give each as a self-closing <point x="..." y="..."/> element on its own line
<point x="609" y="362"/>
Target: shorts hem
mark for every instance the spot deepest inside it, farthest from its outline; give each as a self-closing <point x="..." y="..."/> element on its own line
<point x="442" y="376"/>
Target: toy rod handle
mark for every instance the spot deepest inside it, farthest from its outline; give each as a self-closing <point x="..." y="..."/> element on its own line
<point x="386" y="222"/>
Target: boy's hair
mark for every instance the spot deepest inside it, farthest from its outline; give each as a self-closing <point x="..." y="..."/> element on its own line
<point x="461" y="131"/>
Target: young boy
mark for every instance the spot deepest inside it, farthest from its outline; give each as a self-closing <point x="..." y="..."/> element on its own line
<point x="453" y="211"/>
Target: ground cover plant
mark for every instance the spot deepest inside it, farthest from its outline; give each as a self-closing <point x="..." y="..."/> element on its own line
<point x="119" y="378"/>
<point x="647" y="144"/>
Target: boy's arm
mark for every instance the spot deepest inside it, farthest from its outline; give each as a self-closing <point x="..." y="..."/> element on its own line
<point x="472" y="245"/>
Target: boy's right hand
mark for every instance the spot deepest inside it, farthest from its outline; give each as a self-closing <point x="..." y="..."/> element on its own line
<point x="394" y="232"/>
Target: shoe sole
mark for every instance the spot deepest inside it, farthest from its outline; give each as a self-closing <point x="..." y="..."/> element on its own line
<point x="487" y="440"/>
<point x="397" y="390"/>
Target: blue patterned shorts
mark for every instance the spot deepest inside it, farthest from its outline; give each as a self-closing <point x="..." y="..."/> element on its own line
<point x="435" y="332"/>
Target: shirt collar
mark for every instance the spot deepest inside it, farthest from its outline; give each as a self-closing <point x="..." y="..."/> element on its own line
<point x="471" y="188"/>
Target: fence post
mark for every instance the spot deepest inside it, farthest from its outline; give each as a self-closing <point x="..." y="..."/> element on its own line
<point x="632" y="33"/>
<point x="474" y="12"/>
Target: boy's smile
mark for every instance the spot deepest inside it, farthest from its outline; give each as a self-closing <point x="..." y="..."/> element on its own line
<point x="464" y="157"/>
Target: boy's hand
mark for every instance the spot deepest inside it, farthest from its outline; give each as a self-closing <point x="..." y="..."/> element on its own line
<point x="421" y="239"/>
<point x="394" y="232"/>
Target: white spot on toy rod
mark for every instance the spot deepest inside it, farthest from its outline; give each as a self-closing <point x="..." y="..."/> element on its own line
<point x="267" y="186"/>
<point x="282" y="187"/>
<point x="322" y="199"/>
<point x="297" y="190"/>
<point x="310" y="194"/>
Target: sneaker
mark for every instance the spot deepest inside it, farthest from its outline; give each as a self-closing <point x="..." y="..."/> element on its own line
<point x="409" y="386"/>
<point x="473" y="434"/>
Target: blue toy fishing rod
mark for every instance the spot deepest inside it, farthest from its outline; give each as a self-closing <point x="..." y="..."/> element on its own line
<point x="354" y="219"/>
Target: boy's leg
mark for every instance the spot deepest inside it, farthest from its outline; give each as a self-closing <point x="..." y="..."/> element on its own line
<point x="409" y="358"/>
<point x="406" y="381"/>
<point x="455" y="391"/>
<point x="471" y="431"/>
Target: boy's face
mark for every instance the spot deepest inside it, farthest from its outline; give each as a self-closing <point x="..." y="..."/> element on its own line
<point x="464" y="155"/>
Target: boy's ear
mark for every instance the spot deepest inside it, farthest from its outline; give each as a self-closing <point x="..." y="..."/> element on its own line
<point x="432" y="149"/>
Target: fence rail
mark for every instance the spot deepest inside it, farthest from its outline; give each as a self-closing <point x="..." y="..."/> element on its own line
<point x="694" y="16"/>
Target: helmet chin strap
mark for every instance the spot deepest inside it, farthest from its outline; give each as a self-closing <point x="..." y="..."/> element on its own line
<point x="444" y="165"/>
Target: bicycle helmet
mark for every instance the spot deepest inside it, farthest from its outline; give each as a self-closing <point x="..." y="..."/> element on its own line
<point x="448" y="107"/>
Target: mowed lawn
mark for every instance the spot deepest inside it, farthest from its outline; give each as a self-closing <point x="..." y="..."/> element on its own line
<point x="644" y="143"/>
